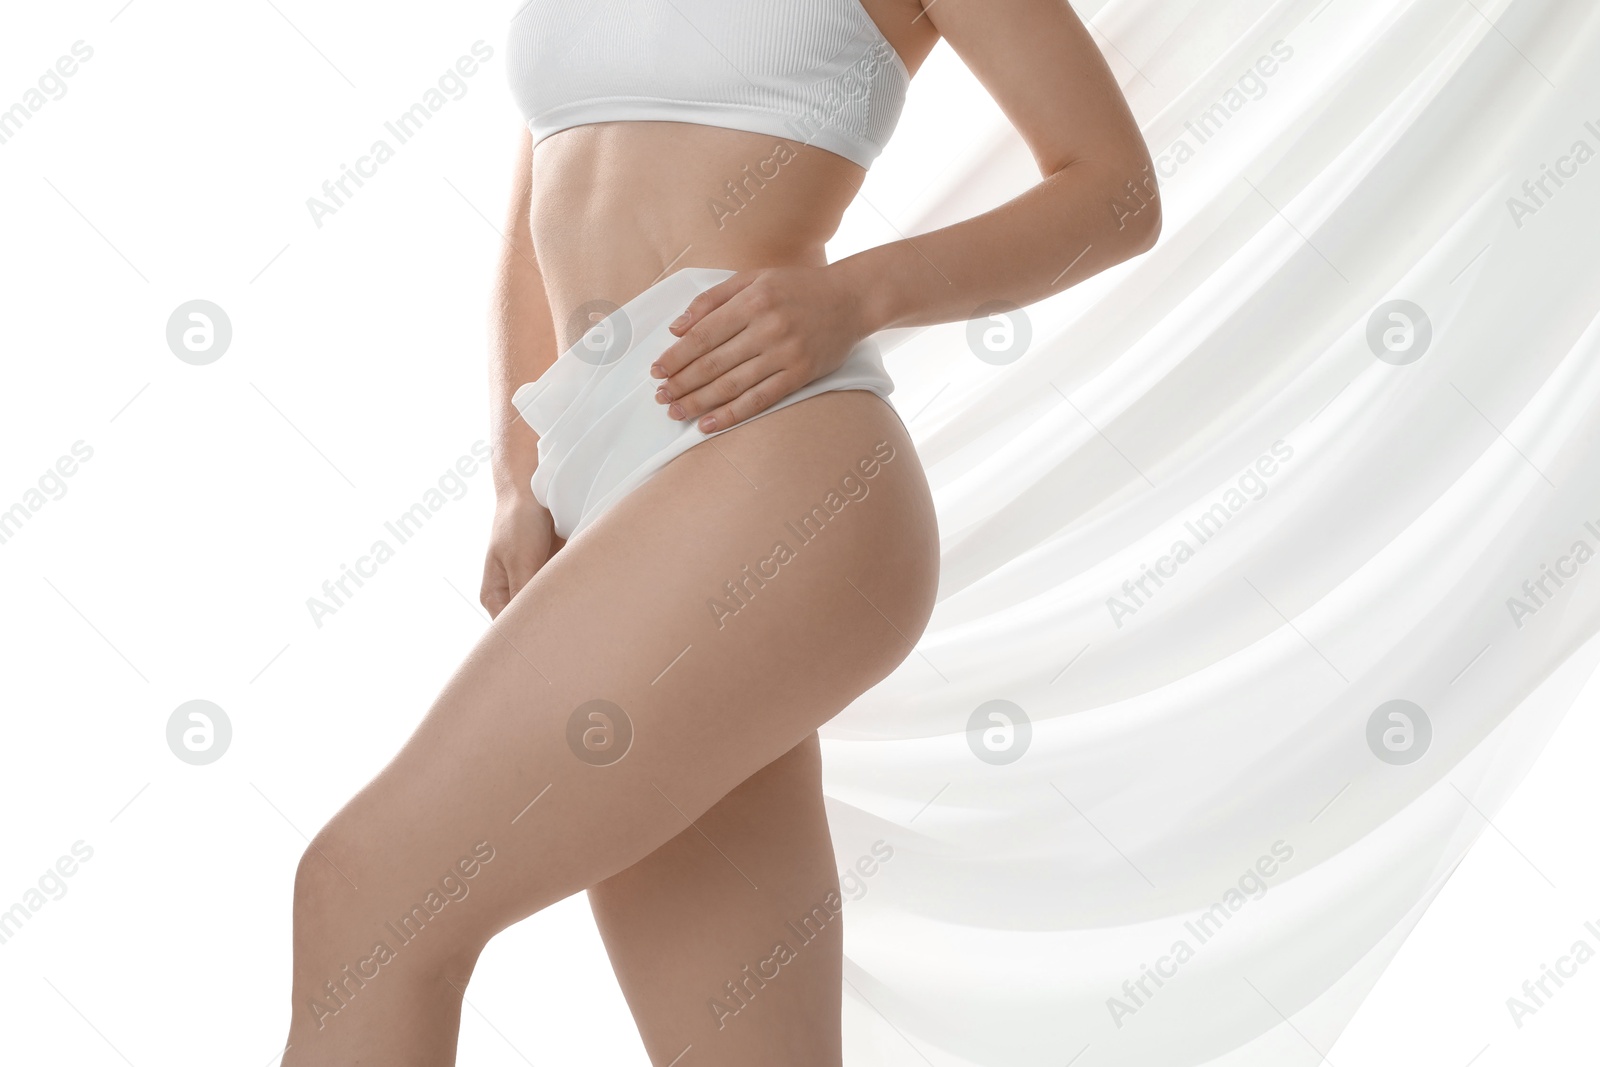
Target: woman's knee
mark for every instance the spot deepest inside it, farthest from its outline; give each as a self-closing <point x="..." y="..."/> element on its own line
<point x="360" y="922"/>
<point x="327" y="901"/>
<point x="320" y="887"/>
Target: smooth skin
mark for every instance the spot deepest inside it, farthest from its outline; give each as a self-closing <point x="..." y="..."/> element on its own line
<point x="708" y="837"/>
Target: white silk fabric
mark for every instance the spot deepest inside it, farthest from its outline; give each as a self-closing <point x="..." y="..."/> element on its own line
<point x="1359" y="378"/>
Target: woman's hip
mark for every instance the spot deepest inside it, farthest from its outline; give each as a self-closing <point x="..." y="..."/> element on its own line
<point x="783" y="521"/>
<point x="601" y="432"/>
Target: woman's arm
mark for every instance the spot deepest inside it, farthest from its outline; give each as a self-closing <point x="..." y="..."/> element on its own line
<point x="749" y="341"/>
<point x="522" y="344"/>
<point x="1096" y="206"/>
<point x="522" y="341"/>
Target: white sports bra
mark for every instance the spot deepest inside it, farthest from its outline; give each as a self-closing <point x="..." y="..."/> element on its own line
<point x="815" y="71"/>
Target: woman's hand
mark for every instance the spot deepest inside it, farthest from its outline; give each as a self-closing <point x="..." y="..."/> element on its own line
<point x="749" y="341"/>
<point x="521" y="541"/>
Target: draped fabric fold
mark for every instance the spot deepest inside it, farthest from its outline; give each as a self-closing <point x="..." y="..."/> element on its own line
<point x="1261" y="562"/>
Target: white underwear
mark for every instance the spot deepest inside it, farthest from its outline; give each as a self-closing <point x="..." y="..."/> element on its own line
<point x="601" y="431"/>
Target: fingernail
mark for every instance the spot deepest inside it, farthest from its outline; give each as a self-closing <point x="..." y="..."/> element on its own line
<point x="708" y="424"/>
<point x="678" y="322"/>
<point x="662" y="396"/>
<point x="657" y="371"/>
<point x="676" y="411"/>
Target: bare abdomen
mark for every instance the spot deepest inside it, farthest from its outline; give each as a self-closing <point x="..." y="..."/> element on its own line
<point x="616" y="205"/>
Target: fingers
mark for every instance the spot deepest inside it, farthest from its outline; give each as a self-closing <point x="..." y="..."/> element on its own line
<point x="519" y="572"/>
<point x="697" y="342"/>
<point x="750" y="401"/>
<point x="495" y="593"/>
<point x="503" y="578"/>
<point x="712" y="298"/>
<point x="698" y="330"/>
<point x="719" y="389"/>
<point x="718" y="363"/>
<point x="720" y="370"/>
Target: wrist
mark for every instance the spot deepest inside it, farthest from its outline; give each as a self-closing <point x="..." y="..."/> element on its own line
<point x="511" y="490"/>
<point x="865" y="293"/>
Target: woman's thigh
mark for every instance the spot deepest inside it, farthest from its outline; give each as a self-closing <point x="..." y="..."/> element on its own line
<point x="728" y="940"/>
<point x="704" y="627"/>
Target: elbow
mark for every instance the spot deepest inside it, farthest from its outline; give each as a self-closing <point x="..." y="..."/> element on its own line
<point x="1119" y="202"/>
<point x="1136" y="207"/>
<point x="1124" y="182"/>
<point x="1148" y="231"/>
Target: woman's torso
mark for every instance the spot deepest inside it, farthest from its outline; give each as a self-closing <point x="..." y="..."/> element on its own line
<point x="618" y="203"/>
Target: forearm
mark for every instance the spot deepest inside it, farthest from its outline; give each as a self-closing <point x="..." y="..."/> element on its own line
<point x="522" y="341"/>
<point x="1075" y="223"/>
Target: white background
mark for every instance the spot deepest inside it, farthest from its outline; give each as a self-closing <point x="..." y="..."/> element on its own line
<point x="219" y="498"/>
